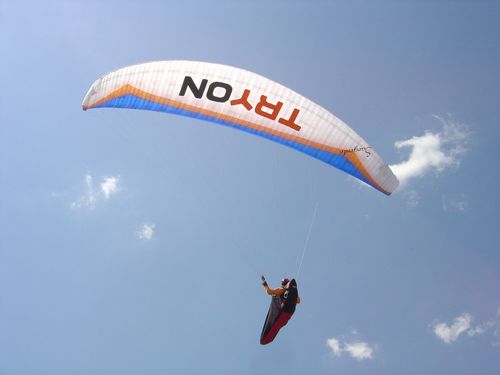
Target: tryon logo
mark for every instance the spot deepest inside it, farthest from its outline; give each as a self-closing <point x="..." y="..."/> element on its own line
<point x="221" y="92"/>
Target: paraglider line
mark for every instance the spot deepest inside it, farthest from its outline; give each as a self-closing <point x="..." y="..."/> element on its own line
<point x="306" y="244"/>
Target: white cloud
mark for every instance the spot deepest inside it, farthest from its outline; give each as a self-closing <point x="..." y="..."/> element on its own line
<point x="451" y="333"/>
<point x="432" y="151"/>
<point x="358" y="350"/>
<point x="147" y="231"/>
<point x="109" y="186"/>
<point x="89" y="199"/>
<point x="462" y="324"/>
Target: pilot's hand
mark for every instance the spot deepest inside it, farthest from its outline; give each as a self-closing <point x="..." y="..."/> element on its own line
<point x="264" y="282"/>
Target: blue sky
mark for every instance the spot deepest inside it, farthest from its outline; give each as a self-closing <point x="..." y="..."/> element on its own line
<point x="131" y="242"/>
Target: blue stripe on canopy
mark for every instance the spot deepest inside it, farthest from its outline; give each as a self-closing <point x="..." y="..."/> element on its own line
<point x="135" y="102"/>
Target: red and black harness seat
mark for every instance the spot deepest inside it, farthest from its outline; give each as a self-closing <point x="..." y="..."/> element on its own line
<point x="280" y="311"/>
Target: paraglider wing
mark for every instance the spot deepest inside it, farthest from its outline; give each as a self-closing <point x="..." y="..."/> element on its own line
<point x="280" y="312"/>
<point x="246" y="101"/>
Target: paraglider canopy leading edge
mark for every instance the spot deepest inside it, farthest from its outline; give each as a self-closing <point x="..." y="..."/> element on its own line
<point x="246" y="101"/>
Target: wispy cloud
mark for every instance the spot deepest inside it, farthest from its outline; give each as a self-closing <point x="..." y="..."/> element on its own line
<point x="358" y="350"/>
<point x="146" y="232"/>
<point x="334" y="345"/>
<point x="496" y="332"/>
<point x="89" y="199"/>
<point x="412" y="198"/>
<point x="455" y="203"/>
<point x="492" y="324"/>
<point x="433" y="151"/>
<point x="481" y="328"/>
